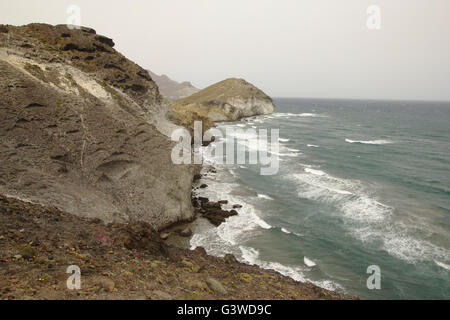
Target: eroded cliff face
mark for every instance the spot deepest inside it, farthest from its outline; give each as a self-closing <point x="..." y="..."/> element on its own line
<point x="84" y="129"/>
<point x="228" y="100"/>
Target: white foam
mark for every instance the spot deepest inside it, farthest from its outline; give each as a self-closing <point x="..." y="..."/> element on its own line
<point x="308" y="115"/>
<point x="346" y="195"/>
<point x="285" y="231"/>
<point x="263" y="224"/>
<point x="250" y="255"/>
<point x="312" y="146"/>
<point x="229" y="236"/>
<point x="283" y="140"/>
<point x="442" y="265"/>
<point x="366" y="218"/>
<point x="376" y="142"/>
<point x="290" y="154"/>
<point x="316" y="172"/>
<point x="309" y="262"/>
<point x="288" y="114"/>
<point x="263" y="196"/>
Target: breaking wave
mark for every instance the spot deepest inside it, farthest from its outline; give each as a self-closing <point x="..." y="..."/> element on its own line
<point x="378" y="142"/>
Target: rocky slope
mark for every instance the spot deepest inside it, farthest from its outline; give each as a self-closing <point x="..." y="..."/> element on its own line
<point x="228" y="100"/>
<point x="84" y="129"/>
<point x="172" y="89"/>
<point x="119" y="261"/>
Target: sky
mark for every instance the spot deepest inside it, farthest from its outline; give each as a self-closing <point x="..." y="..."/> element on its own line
<point x="287" y="48"/>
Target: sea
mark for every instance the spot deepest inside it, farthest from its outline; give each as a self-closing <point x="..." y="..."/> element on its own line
<point x="362" y="185"/>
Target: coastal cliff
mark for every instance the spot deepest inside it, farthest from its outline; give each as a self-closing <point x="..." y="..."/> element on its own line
<point x="87" y="178"/>
<point x="228" y="100"/>
<point x="84" y="129"/>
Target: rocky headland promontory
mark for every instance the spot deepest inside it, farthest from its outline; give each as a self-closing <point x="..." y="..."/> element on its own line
<point x="228" y="100"/>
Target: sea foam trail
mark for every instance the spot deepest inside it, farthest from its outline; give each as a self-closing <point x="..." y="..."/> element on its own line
<point x="251" y="256"/>
<point x="229" y="236"/>
<point x="376" y="142"/>
<point x="366" y="218"/>
<point x="442" y="265"/>
<point x="302" y="115"/>
<point x="263" y="196"/>
<point x="249" y="139"/>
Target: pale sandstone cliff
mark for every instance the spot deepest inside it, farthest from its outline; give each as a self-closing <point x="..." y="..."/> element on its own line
<point x="228" y="100"/>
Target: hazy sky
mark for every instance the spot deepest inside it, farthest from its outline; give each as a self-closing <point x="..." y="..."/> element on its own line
<point x="295" y="48"/>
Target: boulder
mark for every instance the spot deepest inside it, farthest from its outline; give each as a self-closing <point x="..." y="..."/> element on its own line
<point x="216" y="286"/>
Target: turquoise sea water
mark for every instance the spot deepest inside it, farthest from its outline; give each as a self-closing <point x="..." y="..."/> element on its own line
<point x="360" y="183"/>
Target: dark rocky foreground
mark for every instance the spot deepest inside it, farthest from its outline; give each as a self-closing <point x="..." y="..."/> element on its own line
<point x="121" y="261"/>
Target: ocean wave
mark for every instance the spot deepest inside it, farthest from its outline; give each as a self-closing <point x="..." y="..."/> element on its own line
<point x="285" y="231"/>
<point x="376" y="142"/>
<point x="316" y="172"/>
<point x="289" y="154"/>
<point x="366" y="218"/>
<point x="308" y="262"/>
<point x="442" y="265"/>
<point x="312" y="146"/>
<point x="308" y="115"/>
<point x="288" y="114"/>
<point x="251" y="256"/>
<point x="229" y="236"/>
<point x="250" y="141"/>
<point x="263" y="196"/>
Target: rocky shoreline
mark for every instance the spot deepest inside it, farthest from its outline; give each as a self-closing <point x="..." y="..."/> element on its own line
<point x="122" y="261"/>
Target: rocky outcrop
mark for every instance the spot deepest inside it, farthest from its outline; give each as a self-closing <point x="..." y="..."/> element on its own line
<point x="228" y="100"/>
<point x="212" y="210"/>
<point x="172" y="89"/>
<point x="84" y="129"/>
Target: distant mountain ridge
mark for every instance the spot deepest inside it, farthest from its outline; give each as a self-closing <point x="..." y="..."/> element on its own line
<point x="172" y="89"/>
